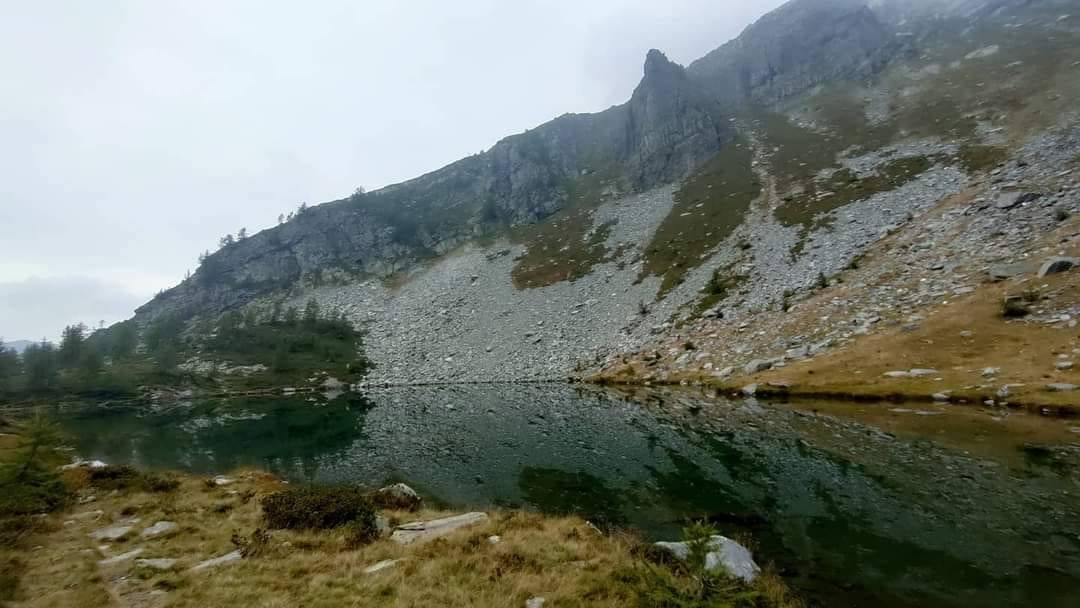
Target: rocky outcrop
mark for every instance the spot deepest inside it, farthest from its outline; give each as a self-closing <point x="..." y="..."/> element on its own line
<point x="671" y="125"/>
<point x="796" y="47"/>
<point x="723" y="554"/>
<point x="668" y="128"/>
<point x="423" y="531"/>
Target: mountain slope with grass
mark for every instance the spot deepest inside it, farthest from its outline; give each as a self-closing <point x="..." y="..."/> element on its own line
<point x="720" y="194"/>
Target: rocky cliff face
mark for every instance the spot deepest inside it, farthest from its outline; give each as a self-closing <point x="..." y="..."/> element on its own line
<point x="800" y="45"/>
<point x="619" y="172"/>
<point x="668" y="128"/>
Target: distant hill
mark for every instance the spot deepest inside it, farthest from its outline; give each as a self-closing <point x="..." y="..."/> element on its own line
<point x="17" y="345"/>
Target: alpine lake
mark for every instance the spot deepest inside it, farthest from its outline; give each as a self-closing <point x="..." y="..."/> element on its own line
<point x="880" y="505"/>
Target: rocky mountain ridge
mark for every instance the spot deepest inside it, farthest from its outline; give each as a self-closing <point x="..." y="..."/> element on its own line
<point x="717" y="193"/>
<point x="672" y="124"/>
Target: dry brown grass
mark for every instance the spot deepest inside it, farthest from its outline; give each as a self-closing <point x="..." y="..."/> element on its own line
<point x="561" y="559"/>
<point x="959" y="340"/>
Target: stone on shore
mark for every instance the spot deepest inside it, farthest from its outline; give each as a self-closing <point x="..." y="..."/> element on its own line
<point x="397" y="496"/>
<point x="724" y="553"/>
<point x="422" y="531"/>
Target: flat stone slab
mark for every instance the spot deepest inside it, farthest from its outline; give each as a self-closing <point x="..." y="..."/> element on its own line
<point x="383" y="565"/>
<point x="84" y="464"/>
<point x="228" y="558"/>
<point x="1061" y="388"/>
<point x="422" y="531"/>
<point x="734" y="558"/>
<point x="157" y="564"/>
<point x="123" y="557"/>
<point x="161" y="528"/>
<point x="88" y="515"/>
<point x="111" y="533"/>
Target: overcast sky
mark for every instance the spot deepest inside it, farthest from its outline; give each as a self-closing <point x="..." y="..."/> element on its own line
<point x="133" y="134"/>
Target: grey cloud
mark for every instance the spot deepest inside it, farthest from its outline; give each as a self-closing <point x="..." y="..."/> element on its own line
<point x="39" y="307"/>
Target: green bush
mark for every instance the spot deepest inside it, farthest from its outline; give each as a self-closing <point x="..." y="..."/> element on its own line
<point x="123" y="477"/>
<point x="318" y="508"/>
<point x="1014" y="307"/>
<point x="358" y="533"/>
<point x="256" y="545"/>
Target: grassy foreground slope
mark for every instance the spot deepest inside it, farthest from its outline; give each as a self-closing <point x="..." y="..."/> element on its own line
<point x="55" y="562"/>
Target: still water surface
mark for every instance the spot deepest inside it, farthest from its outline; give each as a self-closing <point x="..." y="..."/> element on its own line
<point x="857" y="506"/>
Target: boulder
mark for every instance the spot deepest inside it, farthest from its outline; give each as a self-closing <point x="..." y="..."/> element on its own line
<point x="1001" y="272"/>
<point x="228" y="558"/>
<point x="923" y="373"/>
<point x="383" y="526"/>
<point x="1061" y="388"/>
<point x="725" y="553"/>
<point x="161" y="528"/>
<point x="123" y="557"/>
<point x="897" y="374"/>
<point x="535" y="602"/>
<point x="725" y="373"/>
<point x="157" y="564"/>
<point x="422" y="531"/>
<point x="757" y="365"/>
<point x="1008" y="200"/>
<point x="84" y="464"/>
<point x="111" y="533"/>
<point x="398" y="496"/>
<point x="1058" y="264"/>
<point x="383" y="565"/>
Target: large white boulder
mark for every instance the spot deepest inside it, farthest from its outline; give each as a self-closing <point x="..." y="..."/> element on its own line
<point x="734" y="558"/>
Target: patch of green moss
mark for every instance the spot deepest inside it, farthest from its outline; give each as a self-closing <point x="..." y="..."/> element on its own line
<point x="708" y="208"/>
<point x="844" y="186"/>
<point x="976" y="158"/>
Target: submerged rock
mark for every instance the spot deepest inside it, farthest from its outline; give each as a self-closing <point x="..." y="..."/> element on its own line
<point x="724" y="553"/>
